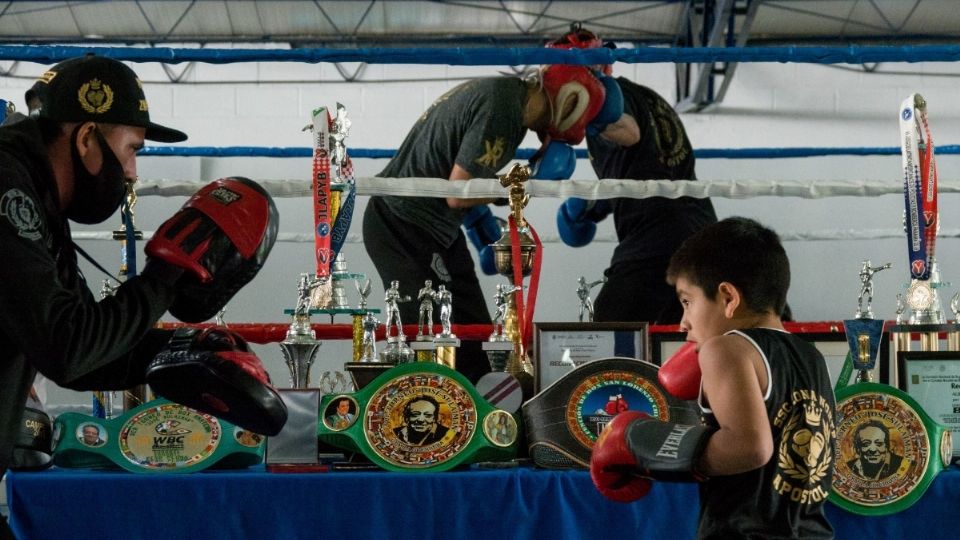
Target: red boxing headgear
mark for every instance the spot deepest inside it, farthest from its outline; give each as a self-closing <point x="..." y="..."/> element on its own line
<point x="578" y="38"/>
<point x="575" y="96"/>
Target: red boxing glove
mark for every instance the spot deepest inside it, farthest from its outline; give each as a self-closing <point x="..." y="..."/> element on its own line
<point x="680" y="374"/>
<point x="613" y="467"/>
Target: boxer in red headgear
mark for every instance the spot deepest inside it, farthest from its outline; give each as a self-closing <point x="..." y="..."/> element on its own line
<point x="636" y="135"/>
<point x="575" y="96"/>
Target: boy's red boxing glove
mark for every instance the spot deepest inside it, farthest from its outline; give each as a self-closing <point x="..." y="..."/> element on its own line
<point x="635" y="447"/>
<point x="613" y="467"/>
<point x="680" y="374"/>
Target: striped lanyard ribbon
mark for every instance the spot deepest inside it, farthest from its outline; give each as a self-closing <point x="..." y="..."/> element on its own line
<point x="321" y="190"/>
<point x="919" y="185"/>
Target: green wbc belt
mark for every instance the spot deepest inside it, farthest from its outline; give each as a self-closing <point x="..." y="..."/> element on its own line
<point x="156" y="437"/>
<point x="564" y="420"/>
<point x="888" y="450"/>
<point x="418" y="417"/>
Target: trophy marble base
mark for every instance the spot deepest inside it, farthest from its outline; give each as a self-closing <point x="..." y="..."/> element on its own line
<point x="498" y="352"/>
<point x="426" y="351"/>
<point x="441" y="340"/>
<point x="363" y="373"/>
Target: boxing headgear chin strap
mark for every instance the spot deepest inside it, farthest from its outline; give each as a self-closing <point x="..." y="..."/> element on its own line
<point x="575" y="96"/>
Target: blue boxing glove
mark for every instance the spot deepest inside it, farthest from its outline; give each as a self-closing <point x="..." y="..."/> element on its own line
<point x="557" y="162"/>
<point x="577" y="220"/>
<point x="612" y="108"/>
<point x="483" y="229"/>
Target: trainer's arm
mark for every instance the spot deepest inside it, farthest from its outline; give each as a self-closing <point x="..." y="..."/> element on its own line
<point x="624" y="132"/>
<point x="733" y="387"/>
<point x="459" y="173"/>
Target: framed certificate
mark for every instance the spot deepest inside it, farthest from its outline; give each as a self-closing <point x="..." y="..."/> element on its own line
<point x="933" y="379"/>
<point x="560" y="347"/>
<point x="664" y="344"/>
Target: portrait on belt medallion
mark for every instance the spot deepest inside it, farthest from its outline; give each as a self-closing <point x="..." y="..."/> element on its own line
<point x="92" y="435"/>
<point x="422" y="425"/>
<point x="246" y="437"/>
<point x="340" y="413"/>
<point x="875" y="459"/>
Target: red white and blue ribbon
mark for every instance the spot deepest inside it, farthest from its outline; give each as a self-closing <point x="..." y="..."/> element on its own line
<point x="919" y="185"/>
<point x="320" y="186"/>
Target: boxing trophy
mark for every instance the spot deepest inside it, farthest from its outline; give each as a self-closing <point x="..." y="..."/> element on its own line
<point x="864" y="333"/>
<point x="333" y="211"/>
<point x="423" y="345"/>
<point x="397" y="351"/>
<point x="300" y="345"/>
<point x="516" y="255"/>
<point x="367" y="364"/>
<point x="921" y="224"/>
<point x="583" y="294"/>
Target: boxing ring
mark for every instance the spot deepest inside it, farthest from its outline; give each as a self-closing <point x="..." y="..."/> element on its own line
<point x="516" y="503"/>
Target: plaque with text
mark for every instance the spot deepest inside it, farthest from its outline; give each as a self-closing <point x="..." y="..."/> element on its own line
<point x="933" y="379"/>
<point x="561" y="347"/>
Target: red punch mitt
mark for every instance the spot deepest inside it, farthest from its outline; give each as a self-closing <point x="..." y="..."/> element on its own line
<point x="219" y="239"/>
<point x="613" y="467"/>
<point x="680" y="375"/>
<point x="213" y="371"/>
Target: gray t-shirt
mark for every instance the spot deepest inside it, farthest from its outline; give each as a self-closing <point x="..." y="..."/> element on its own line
<point x="478" y="125"/>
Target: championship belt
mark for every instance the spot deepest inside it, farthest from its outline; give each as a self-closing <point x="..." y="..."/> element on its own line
<point x="564" y="420"/>
<point x="419" y="417"/>
<point x="888" y="450"/>
<point x="156" y="437"/>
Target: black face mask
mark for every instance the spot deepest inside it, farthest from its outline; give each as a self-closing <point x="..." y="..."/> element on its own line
<point x="96" y="196"/>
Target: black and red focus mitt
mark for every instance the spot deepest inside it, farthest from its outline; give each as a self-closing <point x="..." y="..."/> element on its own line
<point x="216" y="243"/>
<point x="214" y="371"/>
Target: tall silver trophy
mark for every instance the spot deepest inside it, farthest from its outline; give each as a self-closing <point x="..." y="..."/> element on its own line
<point x="300" y="345"/>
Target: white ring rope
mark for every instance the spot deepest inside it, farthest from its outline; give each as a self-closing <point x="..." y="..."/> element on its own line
<point x="585" y="189"/>
<point x="606" y="238"/>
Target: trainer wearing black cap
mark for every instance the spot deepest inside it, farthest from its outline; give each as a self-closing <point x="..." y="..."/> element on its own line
<point x="71" y="161"/>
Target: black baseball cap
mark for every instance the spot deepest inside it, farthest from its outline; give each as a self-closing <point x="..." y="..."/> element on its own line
<point x="98" y="89"/>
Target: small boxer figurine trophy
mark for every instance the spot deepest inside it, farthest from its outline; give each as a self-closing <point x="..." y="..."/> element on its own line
<point x="445" y="299"/>
<point x="427" y="296"/>
<point x="392" y="299"/>
<point x="446" y="341"/>
<point x="300" y="345"/>
<point x="583" y="293"/>
<point x="864" y="332"/>
<point x="866" y="288"/>
<point x="369" y="347"/>
<point x="397" y="351"/>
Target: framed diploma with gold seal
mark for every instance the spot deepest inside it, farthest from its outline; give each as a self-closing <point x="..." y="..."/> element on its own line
<point x="888" y="450"/>
<point x="421" y="417"/>
<point x="933" y="379"/>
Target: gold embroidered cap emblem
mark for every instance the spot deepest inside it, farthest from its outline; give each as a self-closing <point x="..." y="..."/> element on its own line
<point x="95" y="97"/>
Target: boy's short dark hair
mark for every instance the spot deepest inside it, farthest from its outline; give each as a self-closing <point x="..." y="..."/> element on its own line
<point x="740" y="251"/>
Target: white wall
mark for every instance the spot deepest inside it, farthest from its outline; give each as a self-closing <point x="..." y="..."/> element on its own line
<point x="768" y="105"/>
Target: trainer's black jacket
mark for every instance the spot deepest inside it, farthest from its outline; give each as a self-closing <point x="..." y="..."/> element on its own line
<point x="49" y="319"/>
